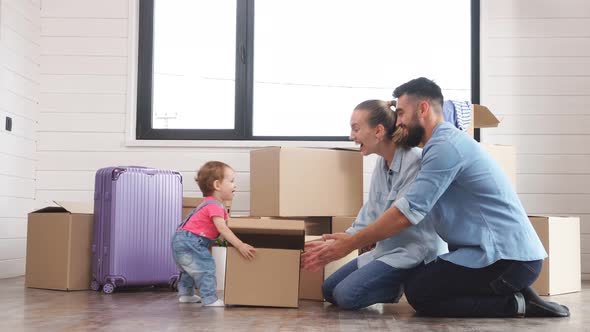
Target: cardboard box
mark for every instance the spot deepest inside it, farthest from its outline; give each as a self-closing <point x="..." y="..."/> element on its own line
<point x="341" y="224"/>
<point x="505" y="155"/>
<point x="482" y="117"/>
<point x="271" y="279"/>
<point x="294" y="182"/>
<point x="327" y="225"/>
<point x="561" y="272"/>
<point x="318" y="225"/>
<point x="310" y="283"/>
<point x="190" y="203"/>
<point x="59" y="247"/>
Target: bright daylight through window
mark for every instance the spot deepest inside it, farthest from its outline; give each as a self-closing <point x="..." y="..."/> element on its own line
<point x="269" y="69"/>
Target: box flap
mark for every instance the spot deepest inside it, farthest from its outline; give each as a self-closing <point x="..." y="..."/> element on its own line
<point x="483" y="117"/>
<point x="77" y="207"/>
<point x="266" y="226"/>
<point x="71" y="207"/>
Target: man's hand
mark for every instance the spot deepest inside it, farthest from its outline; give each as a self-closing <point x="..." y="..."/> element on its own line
<point x="317" y="253"/>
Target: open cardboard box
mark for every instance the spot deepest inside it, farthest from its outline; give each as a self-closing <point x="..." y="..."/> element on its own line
<point x="272" y="278"/>
<point x="505" y="155"/>
<point x="482" y="117"/>
<point x="59" y="246"/>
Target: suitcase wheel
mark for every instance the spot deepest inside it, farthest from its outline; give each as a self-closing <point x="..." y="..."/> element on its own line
<point x="108" y="288"/>
<point x="174" y="284"/>
<point x="94" y="285"/>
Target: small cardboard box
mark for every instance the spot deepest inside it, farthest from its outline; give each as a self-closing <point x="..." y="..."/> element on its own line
<point x="505" y="155"/>
<point x="271" y="279"/>
<point x="59" y="247"/>
<point x="561" y="272"/>
<point x="310" y="283"/>
<point x="295" y="182"/>
<point x="190" y="203"/>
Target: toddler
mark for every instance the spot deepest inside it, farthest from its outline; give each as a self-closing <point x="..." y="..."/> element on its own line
<point x="191" y="242"/>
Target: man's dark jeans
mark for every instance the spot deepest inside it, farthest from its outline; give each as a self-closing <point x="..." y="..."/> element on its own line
<point x="445" y="289"/>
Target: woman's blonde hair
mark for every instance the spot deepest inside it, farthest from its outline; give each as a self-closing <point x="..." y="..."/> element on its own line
<point x="380" y="113"/>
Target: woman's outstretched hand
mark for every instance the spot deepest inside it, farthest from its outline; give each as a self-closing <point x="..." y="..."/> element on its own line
<point x="319" y="253"/>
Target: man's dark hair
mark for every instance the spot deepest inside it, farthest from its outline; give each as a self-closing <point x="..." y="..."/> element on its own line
<point x="422" y="88"/>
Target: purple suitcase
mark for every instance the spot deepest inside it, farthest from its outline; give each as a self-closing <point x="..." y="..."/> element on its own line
<point x="136" y="211"/>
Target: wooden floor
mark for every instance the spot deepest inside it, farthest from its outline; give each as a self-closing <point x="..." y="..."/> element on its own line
<point x="23" y="309"/>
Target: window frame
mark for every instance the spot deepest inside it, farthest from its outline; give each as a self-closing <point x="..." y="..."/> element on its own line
<point x="243" y="119"/>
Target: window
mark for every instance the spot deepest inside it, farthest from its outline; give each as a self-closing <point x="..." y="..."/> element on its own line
<point x="292" y="70"/>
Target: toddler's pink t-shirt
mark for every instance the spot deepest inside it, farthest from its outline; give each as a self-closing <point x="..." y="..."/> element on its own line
<point x="201" y="223"/>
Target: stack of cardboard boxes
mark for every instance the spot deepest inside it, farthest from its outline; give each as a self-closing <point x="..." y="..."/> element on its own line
<point x="295" y="192"/>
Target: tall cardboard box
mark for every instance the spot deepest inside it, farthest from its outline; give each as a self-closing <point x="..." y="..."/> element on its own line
<point x="561" y="272"/>
<point x="505" y="155"/>
<point x="271" y="279"/>
<point x="294" y="182"/>
<point x="310" y="283"/>
<point x="59" y="241"/>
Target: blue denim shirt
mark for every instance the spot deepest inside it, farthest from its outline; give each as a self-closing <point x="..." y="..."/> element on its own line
<point x="415" y="244"/>
<point x="475" y="208"/>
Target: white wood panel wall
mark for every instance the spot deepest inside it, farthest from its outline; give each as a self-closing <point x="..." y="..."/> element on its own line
<point x="535" y="73"/>
<point x="529" y="74"/>
<point x="83" y="100"/>
<point x="20" y="28"/>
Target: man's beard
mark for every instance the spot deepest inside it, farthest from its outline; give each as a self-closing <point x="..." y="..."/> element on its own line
<point x="409" y="136"/>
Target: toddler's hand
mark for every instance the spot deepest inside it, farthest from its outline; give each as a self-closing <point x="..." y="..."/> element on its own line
<point x="247" y="251"/>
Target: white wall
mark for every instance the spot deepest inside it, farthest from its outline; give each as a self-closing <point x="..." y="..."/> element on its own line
<point x="536" y="74"/>
<point x="19" y="97"/>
